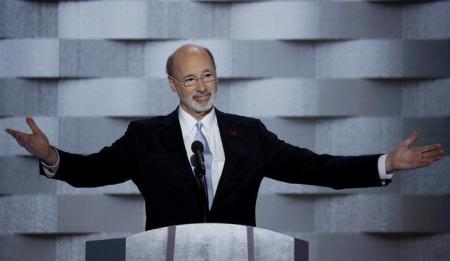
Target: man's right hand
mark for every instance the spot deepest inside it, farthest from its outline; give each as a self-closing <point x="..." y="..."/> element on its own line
<point x="35" y="143"/>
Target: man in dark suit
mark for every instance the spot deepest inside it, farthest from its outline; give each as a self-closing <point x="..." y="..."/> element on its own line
<point x="238" y="153"/>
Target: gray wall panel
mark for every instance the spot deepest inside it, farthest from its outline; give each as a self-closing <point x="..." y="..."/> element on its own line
<point x="272" y="59"/>
<point x="197" y="20"/>
<point x="103" y="19"/>
<point x="342" y="246"/>
<point x="19" y="176"/>
<point x="314" y="20"/>
<point x="271" y="213"/>
<point x="92" y="58"/>
<point x="431" y="130"/>
<point x="28" y="97"/>
<point x="376" y="246"/>
<point x="426" y="58"/>
<point x="356" y="136"/>
<point x="28" y="19"/>
<point x="224" y="95"/>
<point x="426" y="247"/>
<point x="296" y="131"/>
<point x="28" y="214"/>
<point x="350" y="97"/>
<point x="75" y="215"/>
<point x="276" y="97"/>
<point x="383" y="59"/>
<point x="433" y="180"/>
<point x="3" y="20"/>
<point x="426" y="99"/>
<point x="29" y="58"/>
<point x="358" y="59"/>
<point x="142" y="20"/>
<point x="352" y="213"/>
<point x="394" y="213"/>
<point x="81" y="135"/>
<point x="115" y="97"/>
<point x="427" y="20"/>
<point x="37" y="247"/>
<point x="305" y="97"/>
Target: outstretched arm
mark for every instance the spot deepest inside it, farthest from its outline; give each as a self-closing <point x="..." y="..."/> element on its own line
<point x="299" y="165"/>
<point x="404" y="157"/>
<point x="111" y="165"/>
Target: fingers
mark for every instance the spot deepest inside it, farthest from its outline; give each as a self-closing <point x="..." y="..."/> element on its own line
<point x="428" y="148"/>
<point x="411" y="139"/>
<point x="433" y="154"/>
<point x="33" y="126"/>
<point x="430" y="152"/>
<point x="21" y="138"/>
<point x="423" y="164"/>
<point x="13" y="133"/>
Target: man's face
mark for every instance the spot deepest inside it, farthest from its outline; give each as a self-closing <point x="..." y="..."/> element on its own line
<point x="196" y="95"/>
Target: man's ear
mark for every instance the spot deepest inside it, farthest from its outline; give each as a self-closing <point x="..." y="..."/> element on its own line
<point x="171" y="84"/>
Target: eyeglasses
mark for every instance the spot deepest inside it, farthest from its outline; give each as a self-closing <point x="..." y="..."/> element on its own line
<point x="192" y="80"/>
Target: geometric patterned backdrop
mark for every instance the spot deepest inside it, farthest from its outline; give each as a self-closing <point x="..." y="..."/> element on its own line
<point x="338" y="77"/>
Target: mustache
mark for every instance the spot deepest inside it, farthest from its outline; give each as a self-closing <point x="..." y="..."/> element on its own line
<point x="206" y="93"/>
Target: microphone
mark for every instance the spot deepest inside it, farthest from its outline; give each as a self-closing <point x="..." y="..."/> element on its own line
<point x="198" y="162"/>
<point x="197" y="148"/>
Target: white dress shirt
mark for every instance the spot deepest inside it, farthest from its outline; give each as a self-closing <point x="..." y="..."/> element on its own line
<point x="211" y="131"/>
<point x="212" y="134"/>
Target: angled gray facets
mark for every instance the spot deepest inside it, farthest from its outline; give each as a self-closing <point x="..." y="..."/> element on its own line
<point x="143" y="20"/>
<point x="23" y="97"/>
<point x="28" y="19"/>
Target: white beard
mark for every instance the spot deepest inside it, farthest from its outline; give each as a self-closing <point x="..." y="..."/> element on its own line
<point x="193" y="105"/>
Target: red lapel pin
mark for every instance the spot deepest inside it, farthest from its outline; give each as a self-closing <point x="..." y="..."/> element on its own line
<point x="233" y="133"/>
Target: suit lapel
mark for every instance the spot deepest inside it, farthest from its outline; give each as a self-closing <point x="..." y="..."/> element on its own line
<point x="173" y="138"/>
<point x="173" y="142"/>
<point x="229" y="141"/>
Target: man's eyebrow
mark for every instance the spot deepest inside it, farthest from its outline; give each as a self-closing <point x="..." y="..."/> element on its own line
<point x="208" y="71"/>
<point x="189" y="75"/>
<point x="192" y="75"/>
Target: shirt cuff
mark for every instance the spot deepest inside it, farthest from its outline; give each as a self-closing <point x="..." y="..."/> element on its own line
<point x="50" y="171"/>
<point x="384" y="177"/>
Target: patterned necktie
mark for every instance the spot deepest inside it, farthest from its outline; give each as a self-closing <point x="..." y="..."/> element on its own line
<point x="208" y="161"/>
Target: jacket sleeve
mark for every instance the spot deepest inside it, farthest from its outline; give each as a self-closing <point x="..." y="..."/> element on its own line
<point x="111" y="165"/>
<point x="293" y="164"/>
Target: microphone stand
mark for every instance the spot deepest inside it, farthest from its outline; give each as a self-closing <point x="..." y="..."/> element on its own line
<point x="201" y="182"/>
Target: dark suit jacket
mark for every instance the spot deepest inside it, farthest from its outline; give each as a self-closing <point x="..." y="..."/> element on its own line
<point x="152" y="154"/>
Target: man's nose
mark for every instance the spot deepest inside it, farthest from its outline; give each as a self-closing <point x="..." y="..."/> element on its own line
<point x="200" y="86"/>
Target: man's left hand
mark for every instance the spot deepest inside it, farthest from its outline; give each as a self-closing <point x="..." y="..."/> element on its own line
<point x="404" y="157"/>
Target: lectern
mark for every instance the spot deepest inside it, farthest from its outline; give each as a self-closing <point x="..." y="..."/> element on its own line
<point x="205" y="241"/>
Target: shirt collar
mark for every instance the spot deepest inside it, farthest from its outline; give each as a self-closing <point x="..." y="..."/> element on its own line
<point x="188" y="122"/>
